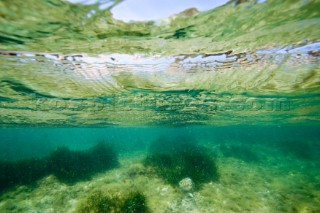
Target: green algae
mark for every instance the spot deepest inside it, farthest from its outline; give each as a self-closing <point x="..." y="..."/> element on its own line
<point x="179" y="158"/>
<point x="280" y="183"/>
<point x="72" y="166"/>
<point x="99" y="202"/>
<point x="67" y="165"/>
<point x="135" y="202"/>
<point x="260" y="79"/>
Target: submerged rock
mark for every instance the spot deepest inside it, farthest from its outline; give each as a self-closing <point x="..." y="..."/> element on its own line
<point x="186" y="184"/>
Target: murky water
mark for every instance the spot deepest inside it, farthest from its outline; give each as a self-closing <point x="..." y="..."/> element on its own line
<point x="213" y="111"/>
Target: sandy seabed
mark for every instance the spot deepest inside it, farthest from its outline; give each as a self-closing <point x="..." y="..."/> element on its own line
<point x="280" y="183"/>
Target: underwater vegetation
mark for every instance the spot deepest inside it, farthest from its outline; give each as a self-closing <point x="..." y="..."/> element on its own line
<point x="135" y="203"/>
<point x="99" y="202"/>
<point x="240" y="152"/>
<point x="68" y="166"/>
<point x="21" y="172"/>
<point x="71" y="166"/>
<point x="303" y="150"/>
<point x="178" y="158"/>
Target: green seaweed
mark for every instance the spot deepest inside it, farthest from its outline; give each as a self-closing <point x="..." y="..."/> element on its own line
<point x="176" y="159"/>
<point x="99" y="202"/>
<point x="68" y="166"/>
<point x="135" y="203"/>
<point x="21" y="172"/>
<point x="71" y="166"/>
<point x="240" y="152"/>
<point x="303" y="150"/>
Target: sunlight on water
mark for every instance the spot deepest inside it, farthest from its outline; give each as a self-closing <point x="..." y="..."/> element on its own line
<point x="210" y="109"/>
<point x="138" y="89"/>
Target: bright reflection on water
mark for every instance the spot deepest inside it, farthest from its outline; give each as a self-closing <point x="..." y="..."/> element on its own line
<point x="204" y="110"/>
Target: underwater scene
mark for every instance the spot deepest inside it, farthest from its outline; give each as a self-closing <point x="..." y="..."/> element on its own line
<point x="148" y="106"/>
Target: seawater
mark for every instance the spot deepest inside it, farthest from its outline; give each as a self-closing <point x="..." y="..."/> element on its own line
<point x="214" y="111"/>
<point x="261" y="168"/>
<point x="20" y="143"/>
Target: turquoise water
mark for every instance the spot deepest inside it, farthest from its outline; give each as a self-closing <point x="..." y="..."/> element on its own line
<point x="19" y="143"/>
<point x="260" y="168"/>
<point x="212" y="111"/>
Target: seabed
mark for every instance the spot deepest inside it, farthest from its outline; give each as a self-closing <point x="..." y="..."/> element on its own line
<point x="267" y="181"/>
